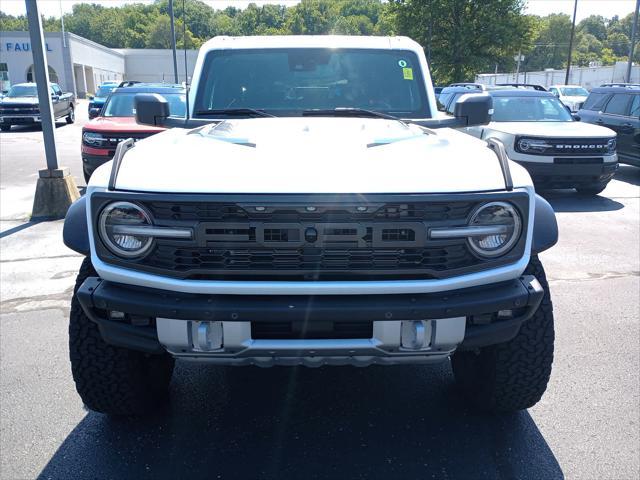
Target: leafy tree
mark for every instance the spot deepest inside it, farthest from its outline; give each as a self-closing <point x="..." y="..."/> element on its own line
<point x="159" y="35"/>
<point x="464" y="37"/>
<point x="595" y="25"/>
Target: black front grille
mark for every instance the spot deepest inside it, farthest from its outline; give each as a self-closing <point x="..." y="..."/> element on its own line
<point x="19" y="109"/>
<point x="311" y="330"/>
<point x="277" y="239"/>
<point x="111" y="140"/>
<point x="204" y="262"/>
<point x="207" y="211"/>
<point x="578" y="161"/>
<point x="562" y="146"/>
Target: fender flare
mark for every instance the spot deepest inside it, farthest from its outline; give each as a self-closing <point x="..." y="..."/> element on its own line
<point x="75" y="233"/>
<point x="545" y="226"/>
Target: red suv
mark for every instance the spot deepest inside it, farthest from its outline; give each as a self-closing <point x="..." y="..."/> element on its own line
<point x="117" y="122"/>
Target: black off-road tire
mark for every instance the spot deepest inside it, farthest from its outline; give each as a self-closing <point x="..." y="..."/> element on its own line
<point x="72" y="115"/>
<point x="5" y="128"/>
<point x="591" y="190"/>
<point x="110" y="379"/>
<point x="512" y="375"/>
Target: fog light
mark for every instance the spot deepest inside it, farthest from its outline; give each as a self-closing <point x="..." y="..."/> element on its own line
<point x="207" y="336"/>
<point x="415" y="334"/>
<point x="505" y="314"/>
<point x="116" y="315"/>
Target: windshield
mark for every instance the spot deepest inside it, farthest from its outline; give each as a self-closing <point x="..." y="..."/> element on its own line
<point x="290" y="81"/>
<point x="122" y="105"/>
<point x="105" y="91"/>
<point x="529" y="109"/>
<point x="23" y="91"/>
<point x="574" y="92"/>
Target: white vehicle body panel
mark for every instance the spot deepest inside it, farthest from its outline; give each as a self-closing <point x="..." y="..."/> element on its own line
<point x="308" y="155"/>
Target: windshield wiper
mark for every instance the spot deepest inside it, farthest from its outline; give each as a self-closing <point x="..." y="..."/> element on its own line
<point x="349" y="112"/>
<point x="235" y="112"/>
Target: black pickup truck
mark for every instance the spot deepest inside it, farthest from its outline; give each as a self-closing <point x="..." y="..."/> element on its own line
<point x="21" y="106"/>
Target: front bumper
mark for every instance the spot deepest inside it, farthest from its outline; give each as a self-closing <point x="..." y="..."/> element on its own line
<point x="91" y="162"/>
<point x="557" y="175"/>
<point x="156" y="321"/>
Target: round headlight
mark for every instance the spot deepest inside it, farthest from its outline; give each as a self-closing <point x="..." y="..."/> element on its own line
<point x="524" y="145"/>
<point x="505" y="218"/>
<point x="92" y="138"/>
<point x="611" y="146"/>
<point x="113" y="223"/>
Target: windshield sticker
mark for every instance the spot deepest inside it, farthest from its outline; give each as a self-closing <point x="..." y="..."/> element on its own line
<point x="407" y="73"/>
<point x="402" y="63"/>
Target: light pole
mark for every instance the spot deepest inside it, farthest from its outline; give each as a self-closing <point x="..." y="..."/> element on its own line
<point x="634" y="28"/>
<point x="173" y="42"/>
<point x="573" y="29"/>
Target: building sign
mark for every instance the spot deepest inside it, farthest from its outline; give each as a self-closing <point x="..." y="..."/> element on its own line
<point x="21" y="47"/>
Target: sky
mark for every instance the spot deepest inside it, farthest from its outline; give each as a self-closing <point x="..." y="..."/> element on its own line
<point x="606" y="8"/>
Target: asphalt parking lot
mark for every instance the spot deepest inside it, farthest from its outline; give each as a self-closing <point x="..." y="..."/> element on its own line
<point x="333" y="422"/>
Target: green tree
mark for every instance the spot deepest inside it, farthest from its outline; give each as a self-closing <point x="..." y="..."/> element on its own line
<point x="595" y="25"/>
<point x="464" y="37"/>
<point x="159" y="34"/>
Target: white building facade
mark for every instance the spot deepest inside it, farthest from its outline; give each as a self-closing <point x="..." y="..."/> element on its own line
<point x="587" y="77"/>
<point x="80" y="65"/>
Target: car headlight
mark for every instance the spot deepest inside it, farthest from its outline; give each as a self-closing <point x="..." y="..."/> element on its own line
<point x="119" y="227"/>
<point x="92" y="138"/>
<point x="611" y="146"/>
<point x="502" y="227"/>
<point x="532" y="145"/>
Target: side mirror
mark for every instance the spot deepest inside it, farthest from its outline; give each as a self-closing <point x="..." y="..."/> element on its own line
<point x="55" y="97"/>
<point x="576" y="117"/>
<point x="94" y="112"/>
<point x="151" y="109"/>
<point x="473" y="109"/>
<point x="90" y="97"/>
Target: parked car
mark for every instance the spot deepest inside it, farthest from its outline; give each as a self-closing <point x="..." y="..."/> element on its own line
<point x="526" y="86"/>
<point x="541" y="135"/>
<point x="117" y="122"/>
<point x="450" y="95"/>
<point x="617" y="106"/>
<point x="310" y="214"/>
<point x="573" y="96"/>
<point x="97" y="101"/>
<point x="21" y="106"/>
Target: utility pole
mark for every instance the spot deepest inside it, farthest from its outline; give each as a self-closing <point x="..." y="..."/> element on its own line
<point x="518" y="59"/>
<point x="41" y="77"/>
<point x="173" y="42"/>
<point x="573" y="29"/>
<point x="634" y="29"/>
<point x="56" y="189"/>
<point x="64" y="38"/>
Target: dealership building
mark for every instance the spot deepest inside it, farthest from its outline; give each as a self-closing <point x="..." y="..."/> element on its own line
<point x="79" y="65"/>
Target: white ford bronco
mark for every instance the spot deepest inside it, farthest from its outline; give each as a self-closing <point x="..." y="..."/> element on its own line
<point x="313" y="209"/>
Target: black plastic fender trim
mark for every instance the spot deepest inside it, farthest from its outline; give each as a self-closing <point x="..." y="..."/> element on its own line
<point x="545" y="226"/>
<point x="75" y="233"/>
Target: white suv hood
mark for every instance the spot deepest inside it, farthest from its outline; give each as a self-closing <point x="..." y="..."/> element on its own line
<point x="308" y="155"/>
<point x="553" y="129"/>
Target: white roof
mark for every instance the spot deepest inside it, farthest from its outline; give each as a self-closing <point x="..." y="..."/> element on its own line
<point x="310" y="41"/>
